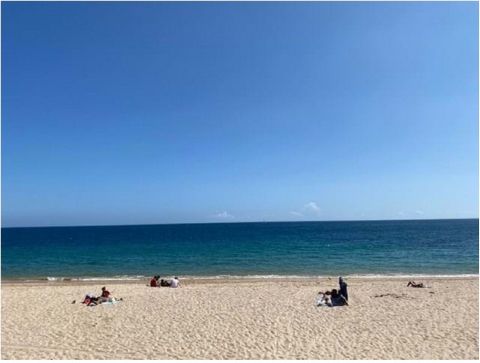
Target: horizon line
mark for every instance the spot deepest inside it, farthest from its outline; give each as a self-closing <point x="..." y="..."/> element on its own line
<point x="240" y="222"/>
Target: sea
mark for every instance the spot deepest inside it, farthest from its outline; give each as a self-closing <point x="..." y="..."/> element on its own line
<point x="237" y="250"/>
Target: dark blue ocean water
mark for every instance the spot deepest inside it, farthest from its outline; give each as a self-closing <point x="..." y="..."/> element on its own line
<point x="437" y="247"/>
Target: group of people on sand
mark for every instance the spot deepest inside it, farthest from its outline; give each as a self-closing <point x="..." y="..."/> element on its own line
<point x="334" y="297"/>
<point x="330" y="298"/>
<point x="105" y="297"/>
<point x="175" y="282"/>
<point x="340" y="297"/>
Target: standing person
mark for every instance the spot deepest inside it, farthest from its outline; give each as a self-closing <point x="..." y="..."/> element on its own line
<point x="175" y="282"/>
<point x="343" y="287"/>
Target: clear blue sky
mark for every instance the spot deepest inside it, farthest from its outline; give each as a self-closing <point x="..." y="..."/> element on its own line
<point x="125" y="113"/>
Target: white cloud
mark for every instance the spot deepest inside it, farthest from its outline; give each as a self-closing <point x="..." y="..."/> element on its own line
<point x="311" y="207"/>
<point x="419" y="212"/>
<point x="308" y="210"/>
<point x="223" y="215"/>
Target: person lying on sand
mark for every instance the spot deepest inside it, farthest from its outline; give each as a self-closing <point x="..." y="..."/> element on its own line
<point x="90" y="300"/>
<point x="413" y="284"/>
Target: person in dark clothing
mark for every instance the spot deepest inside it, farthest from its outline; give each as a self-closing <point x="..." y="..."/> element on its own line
<point x="164" y="283"/>
<point x="343" y="288"/>
<point x="414" y="284"/>
<point x="338" y="299"/>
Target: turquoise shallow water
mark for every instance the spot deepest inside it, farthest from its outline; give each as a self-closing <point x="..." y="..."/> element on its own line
<point x="431" y="247"/>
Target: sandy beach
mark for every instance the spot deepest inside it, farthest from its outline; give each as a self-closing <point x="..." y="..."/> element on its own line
<point x="243" y="319"/>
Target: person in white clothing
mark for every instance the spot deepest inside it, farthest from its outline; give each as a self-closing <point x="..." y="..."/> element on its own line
<point x="323" y="299"/>
<point x="175" y="282"/>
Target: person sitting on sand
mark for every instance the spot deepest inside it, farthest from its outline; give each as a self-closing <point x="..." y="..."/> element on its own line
<point x="164" y="283"/>
<point x="175" y="282"/>
<point x="154" y="281"/>
<point x="413" y="284"/>
<point x="338" y="299"/>
<point x="105" y="295"/>
<point x="343" y="288"/>
<point x="105" y="292"/>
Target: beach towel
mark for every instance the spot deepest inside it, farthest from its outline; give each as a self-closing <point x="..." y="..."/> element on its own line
<point x="109" y="304"/>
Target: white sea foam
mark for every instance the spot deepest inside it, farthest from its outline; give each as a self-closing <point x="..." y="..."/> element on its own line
<point x="265" y="277"/>
<point x="353" y="276"/>
<point x="100" y="278"/>
<point x="107" y="279"/>
<point x="404" y="276"/>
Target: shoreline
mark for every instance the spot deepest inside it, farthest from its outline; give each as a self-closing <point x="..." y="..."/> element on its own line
<point x="232" y="279"/>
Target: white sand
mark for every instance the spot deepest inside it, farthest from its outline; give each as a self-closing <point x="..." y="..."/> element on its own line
<point x="243" y="320"/>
